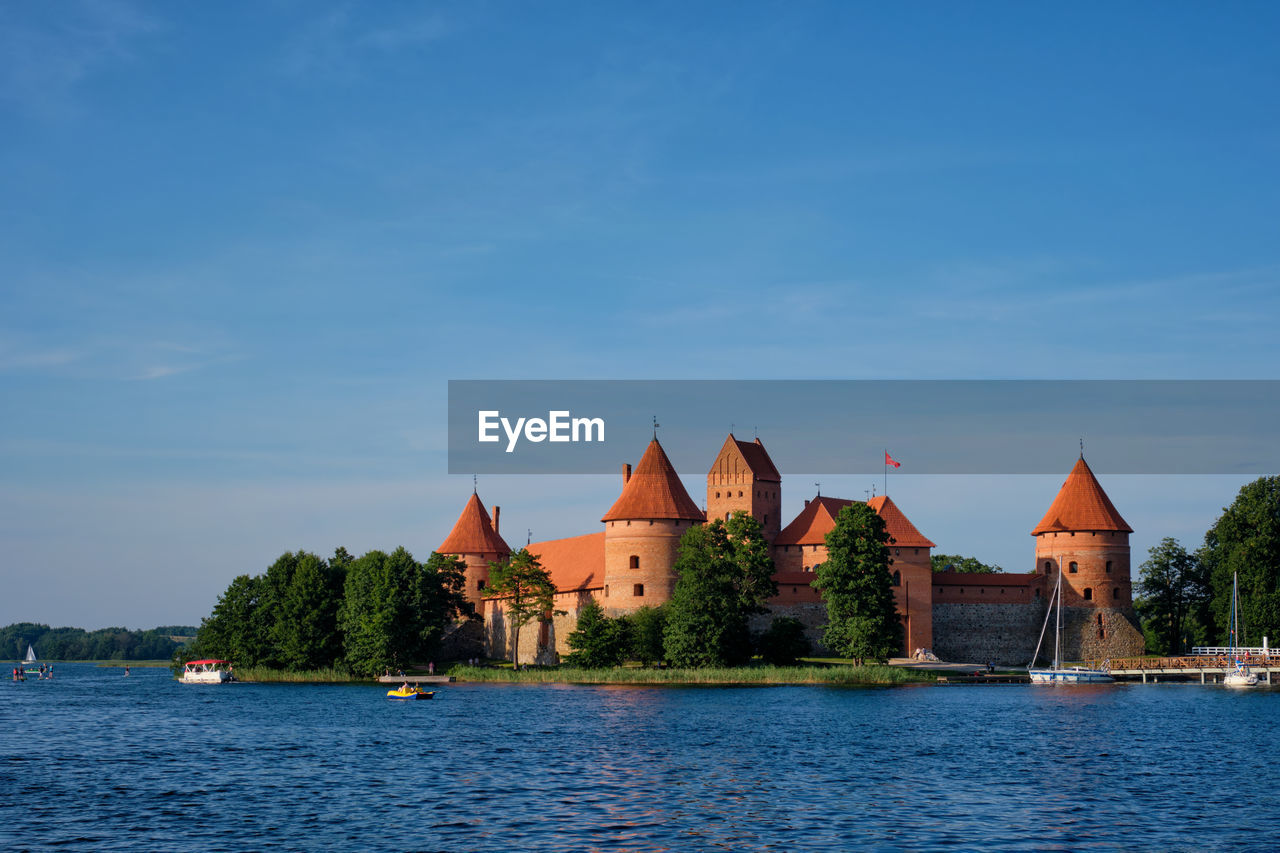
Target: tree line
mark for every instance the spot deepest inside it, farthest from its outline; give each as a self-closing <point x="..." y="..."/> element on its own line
<point x="1184" y="598"/>
<point x="364" y="615"/>
<point x="725" y="575"/>
<point x="79" y="644"/>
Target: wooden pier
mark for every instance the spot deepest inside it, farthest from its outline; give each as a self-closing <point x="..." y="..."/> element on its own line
<point x="1208" y="669"/>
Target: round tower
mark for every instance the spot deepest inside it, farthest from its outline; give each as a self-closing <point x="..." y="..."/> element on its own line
<point x="1083" y="536"/>
<point x="475" y="540"/>
<point x="1083" y="540"/>
<point x="642" y="534"/>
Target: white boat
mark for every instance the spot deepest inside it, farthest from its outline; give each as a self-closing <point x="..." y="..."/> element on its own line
<point x="1059" y="674"/>
<point x="206" y="672"/>
<point x="1241" y="676"/>
<point x="30" y="659"/>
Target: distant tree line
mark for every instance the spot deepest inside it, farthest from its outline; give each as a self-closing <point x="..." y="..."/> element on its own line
<point x="725" y="576"/>
<point x="1184" y="598"/>
<point x="957" y="563"/>
<point x="79" y="644"/>
<point x="367" y="614"/>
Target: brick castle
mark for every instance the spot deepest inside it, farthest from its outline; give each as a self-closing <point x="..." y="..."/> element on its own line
<point x="962" y="617"/>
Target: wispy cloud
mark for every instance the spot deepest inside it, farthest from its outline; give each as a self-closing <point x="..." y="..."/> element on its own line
<point x="335" y="43"/>
<point x="46" y="50"/>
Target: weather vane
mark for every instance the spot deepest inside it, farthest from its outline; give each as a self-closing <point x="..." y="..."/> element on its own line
<point x="819" y="485"/>
<point x="474" y="487"/>
<point x="655" y="427"/>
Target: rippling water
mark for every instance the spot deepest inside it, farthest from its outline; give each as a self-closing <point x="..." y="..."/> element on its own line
<point x="95" y="761"/>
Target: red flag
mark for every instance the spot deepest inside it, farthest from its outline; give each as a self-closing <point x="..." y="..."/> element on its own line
<point x="888" y="460"/>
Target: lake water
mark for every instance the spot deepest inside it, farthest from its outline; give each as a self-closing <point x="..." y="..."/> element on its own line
<point x="96" y="761"/>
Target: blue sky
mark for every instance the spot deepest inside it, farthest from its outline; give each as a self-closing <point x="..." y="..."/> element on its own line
<point x="245" y="245"/>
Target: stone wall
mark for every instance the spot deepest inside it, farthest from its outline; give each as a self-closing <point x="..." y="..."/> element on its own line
<point x="980" y="633"/>
<point x="1098" y="633"/>
<point x="813" y="616"/>
<point x="541" y="642"/>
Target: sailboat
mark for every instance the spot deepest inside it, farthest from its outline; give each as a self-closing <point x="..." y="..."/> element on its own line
<point x="1059" y="674"/>
<point x="29" y="662"/>
<point x="1241" y="676"/>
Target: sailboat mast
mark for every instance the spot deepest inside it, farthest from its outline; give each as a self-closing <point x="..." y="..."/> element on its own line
<point x="1057" y="635"/>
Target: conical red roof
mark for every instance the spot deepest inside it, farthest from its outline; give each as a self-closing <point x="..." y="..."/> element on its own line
<point x="1081" y="504"/>
<point x="474" y="533"/>
<point x="654" y="491"/>
<point x="818" y="519"/>
<point x="904" y="533"/>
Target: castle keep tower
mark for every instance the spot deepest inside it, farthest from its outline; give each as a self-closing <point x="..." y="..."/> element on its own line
<point x="1084" y="538"/>
<point x="642" y="534"/>
<point x="475" y="539"/>
<point x="743" y="477"/>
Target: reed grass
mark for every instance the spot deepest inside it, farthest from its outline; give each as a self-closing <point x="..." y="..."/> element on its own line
<point x="873" y="674"/>
<point x="329" y="675"/>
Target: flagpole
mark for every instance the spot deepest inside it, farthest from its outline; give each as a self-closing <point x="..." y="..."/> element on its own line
<point x="886" y="472"/>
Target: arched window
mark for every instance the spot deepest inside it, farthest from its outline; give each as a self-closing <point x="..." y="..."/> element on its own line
<point x="1088" y="596"/>
<point x="1048" y="566"/>
<point x="739" y="492"/>
<point x="638" y="589"/>
<point x="1072" y="567"/>
<point x="897" y="578"/>
<point x="717" y="494"/>
<point x="635" y="561"/>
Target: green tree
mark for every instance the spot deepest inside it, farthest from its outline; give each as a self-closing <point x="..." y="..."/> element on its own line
<point x="1245" y="540"/>
<point x="854" y="581"/>
<point x="645" y="634"/>
<point x="784" y="642"/>
<point x="527" y="592"/>
<point x="957" y="563"/>
<point x="725" y="575"/>
<point x="598" y="642"/>
<point x="305" y="632"/>
<point x="394" y="609"/>
<point x="237" y="628"/>
<point x="1170" y="589"/>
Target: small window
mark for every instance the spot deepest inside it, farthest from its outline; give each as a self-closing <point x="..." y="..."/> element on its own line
<point x="739" y="492"/>
<point x="1108" y="567"/>
<point x="606" y="590"/>
<point x="480" y="584"/>
<point x="1115" y="593"/>
<point x="1037" y="593"/>
<point x="766" y="519"/>
<point x="638" y="590"/>
<point x="635" y="561"/>
<point x="726" y="516"/>
<point x="1088" y="596"/>
<point x="1048" y="566"/>
<point x="717" y="494"/>
<point x="897" y="578"/>
<point x="1072" y="567"/>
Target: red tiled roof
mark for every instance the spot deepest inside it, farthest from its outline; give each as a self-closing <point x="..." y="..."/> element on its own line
<point x="901" y="529"/>
<point x="754" y="456"/>
<point x="976" y="579"/>
<point x="1081" y="504"/>
<point x="574" y="563"/>
<point x="818" y="519"/>
<point x="654" y="491"/>
<point x="473" y="533"/>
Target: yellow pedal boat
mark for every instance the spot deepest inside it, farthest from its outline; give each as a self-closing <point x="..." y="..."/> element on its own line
<point x="409" y="693"/>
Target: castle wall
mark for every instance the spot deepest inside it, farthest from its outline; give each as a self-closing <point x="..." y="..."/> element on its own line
<point x="1005" y="634"/>
<point x="655" y="544"/>
<point x="812" y="615"/>
<point x="1097" y="633"/>
<point x="541" y="642"/>
<point x="1101" y="559"/>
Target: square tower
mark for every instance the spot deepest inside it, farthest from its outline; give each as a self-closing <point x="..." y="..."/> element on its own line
<point x="743" y="477"/>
